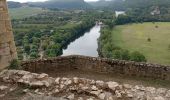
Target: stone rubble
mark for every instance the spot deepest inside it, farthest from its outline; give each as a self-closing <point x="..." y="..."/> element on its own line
<point x="78" y="88"/>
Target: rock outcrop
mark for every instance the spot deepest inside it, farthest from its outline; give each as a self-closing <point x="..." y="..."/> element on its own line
<point x="7" y="44"/>
<point x="43" y="86"/>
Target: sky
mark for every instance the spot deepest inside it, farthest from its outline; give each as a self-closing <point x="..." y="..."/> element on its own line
<point x="39" y="0"/>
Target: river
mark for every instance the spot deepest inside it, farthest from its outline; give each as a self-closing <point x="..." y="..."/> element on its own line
<point x="86" y="45"/>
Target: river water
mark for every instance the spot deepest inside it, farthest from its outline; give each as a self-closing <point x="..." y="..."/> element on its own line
<point x="86" y="45"/>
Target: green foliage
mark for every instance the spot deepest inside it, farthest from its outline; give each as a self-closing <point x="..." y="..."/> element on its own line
<point x="15" y="64"/>
<point x="123" y="19"/>
<point x="109" y="50"/>
<point x="110" y="23"/>
<point x="53" y="50"/>
<point x="169" y="47"/>
<point x="34" y="55"/>
<point x="149" y="39"/>
<point x="27" y="48"/>
<point x="121" y="54"/>
<point x="23" y="12"/>
<point x="138" y="57"/>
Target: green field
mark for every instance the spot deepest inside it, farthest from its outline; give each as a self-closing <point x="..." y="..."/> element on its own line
<point x="18" y="13"/>
<point x="134" y="37"/>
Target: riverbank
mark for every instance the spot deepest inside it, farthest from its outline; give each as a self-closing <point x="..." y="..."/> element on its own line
<point x="85" y="45"/>
<point x="52" y="32"/>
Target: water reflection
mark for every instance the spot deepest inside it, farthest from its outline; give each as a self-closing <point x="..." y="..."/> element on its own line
<point x="85" y="45"/>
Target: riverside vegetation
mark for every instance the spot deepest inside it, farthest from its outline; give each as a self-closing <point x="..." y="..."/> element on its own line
<point x="47" y="33"/>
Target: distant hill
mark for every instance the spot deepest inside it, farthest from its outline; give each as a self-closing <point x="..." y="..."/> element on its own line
<point x="114" y="4"/>
<point x="100" y="3"/>
<point x="63" y="4"/>
<point x="12" y="4"/>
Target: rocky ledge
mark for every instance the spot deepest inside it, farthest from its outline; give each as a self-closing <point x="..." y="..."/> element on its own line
<point x="42" y="87"/>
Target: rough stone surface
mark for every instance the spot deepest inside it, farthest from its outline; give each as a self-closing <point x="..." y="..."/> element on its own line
<point x="62" y="88"/>
<point x="98" y="65"/>
<point x="7" y="44"/>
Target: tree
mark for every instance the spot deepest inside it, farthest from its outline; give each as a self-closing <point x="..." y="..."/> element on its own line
<point x="123" y="19"/>
<point x="137" y="56"/>
<point x="15" y="64"/>
<point x="27" y="48"/>
<point x="34" y="55"/>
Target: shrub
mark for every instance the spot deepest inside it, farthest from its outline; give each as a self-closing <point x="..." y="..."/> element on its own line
<point x="149" y="39"/>
<point x="125" y="55"/>
<point x="169" y="47"/>
<point x="15" y="64"/>
<point x="121" y="54"/>
<point x="137" y="56"/>
<point x="34" y="55"/>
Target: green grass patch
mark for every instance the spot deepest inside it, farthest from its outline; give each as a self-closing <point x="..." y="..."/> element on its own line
<point x="19" y="13"/>
<point x="134" y="37"/>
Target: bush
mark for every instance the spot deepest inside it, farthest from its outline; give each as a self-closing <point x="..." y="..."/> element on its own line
<point x="125" y="55"/>
<point x="149" y="39"/>
<point x="34" y="55"/>
<point x="15" y="64"/>
<point x="137" y="56"/>
<point x="169" y="47"/>
<point x="121" y="54"/>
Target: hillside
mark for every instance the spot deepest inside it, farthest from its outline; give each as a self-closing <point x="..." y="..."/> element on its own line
<point x="64" y="4"/>
<point x="23" y="12"/>
<point x="12" y="4"/>
<point x="100" y="3"/>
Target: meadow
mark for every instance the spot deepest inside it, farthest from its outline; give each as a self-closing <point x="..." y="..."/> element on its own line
<point x="151" y="39"/>
<point x="19" y="13"/>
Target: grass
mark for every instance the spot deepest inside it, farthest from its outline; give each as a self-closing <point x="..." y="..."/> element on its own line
<point x="134" y="37"/>
<point x="19" y="13"/>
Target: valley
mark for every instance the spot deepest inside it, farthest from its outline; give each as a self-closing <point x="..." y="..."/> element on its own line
<point x="84" y="50"/>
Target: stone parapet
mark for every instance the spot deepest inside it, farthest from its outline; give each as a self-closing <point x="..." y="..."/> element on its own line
<point x="99" y="65"/>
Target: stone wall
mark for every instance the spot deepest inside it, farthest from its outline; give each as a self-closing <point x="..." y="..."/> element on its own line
<point x="7" y="44"/>
<point x="99" y="65"/>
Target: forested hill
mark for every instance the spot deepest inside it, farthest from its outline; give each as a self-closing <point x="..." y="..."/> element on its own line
<point x="148" y="10"/>
<point x="146" y="3"/>
<point x="63" y="4"/>
<point x="126" y="4"/>
<point x="100" y="3"/>
<point x="12" y="4"/>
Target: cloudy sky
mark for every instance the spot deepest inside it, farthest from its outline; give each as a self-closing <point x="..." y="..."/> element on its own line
<point x="39" y="0"/>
